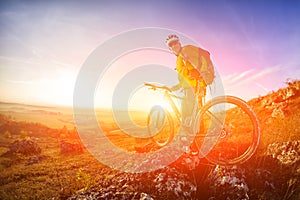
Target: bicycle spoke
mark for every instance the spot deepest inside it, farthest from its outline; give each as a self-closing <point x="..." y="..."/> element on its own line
<point x="160" y="126"/>
<point x="234" y="129"/>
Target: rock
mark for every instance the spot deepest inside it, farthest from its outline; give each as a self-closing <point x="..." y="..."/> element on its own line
<point x="111" y="195"/>
<point x="287" y="153"/>
<point x="289" y="92"/>
<point x="35" y="159"/>
<point x="175" y="185"/>
<point x="70" y="148"/>
<point x="144" y="196"/>
<point x="261" y="178"/>
<point x="274" y="175"/>
<point x="265" y="177"/>
<point x="118" y="185"/>
<point x="278" y="113"/>
<point x="166" y="183"/>
<point x="228" y="183"/>
<point x="26" y="147"/>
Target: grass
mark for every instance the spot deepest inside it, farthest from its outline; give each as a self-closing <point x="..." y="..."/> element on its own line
<point x="59" y="176"/>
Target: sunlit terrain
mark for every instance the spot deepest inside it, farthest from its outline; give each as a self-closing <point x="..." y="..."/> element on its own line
<point x="58" y="165"/>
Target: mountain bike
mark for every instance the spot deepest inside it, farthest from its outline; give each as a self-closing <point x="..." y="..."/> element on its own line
<point x="226" y="129"/>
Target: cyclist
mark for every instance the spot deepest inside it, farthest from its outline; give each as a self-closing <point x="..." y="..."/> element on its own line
<point x="188" y="60"/>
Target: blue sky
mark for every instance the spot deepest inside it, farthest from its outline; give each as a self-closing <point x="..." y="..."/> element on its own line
<point x="254" y="44"/>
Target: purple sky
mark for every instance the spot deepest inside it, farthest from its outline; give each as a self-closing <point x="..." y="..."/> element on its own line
<point x="254" y="44"/>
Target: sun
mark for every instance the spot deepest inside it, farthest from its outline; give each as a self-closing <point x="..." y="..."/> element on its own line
<point x="144" y="99"/>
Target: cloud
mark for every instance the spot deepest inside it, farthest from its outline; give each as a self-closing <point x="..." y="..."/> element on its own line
<point x="233" y="78"/>
<point x="262" y="87"/>
<point x="20" y="70"/>
<point x="252" y="75"/>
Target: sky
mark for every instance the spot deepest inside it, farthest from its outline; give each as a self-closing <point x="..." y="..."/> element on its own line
<point x="255" y="45"/>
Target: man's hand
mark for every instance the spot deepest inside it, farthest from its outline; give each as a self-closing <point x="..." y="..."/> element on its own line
<point x="175" y="87"/>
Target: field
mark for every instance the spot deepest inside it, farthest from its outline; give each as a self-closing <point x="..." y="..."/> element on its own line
<point x="56" y="172"/>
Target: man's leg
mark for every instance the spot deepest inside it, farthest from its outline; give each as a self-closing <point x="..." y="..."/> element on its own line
<point x="187" y="107"/>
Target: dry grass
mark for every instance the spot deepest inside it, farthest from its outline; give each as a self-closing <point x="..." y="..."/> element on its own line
<point x="60" y="176"/>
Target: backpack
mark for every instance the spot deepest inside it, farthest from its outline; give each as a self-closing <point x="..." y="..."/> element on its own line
<point x="200" y="60"/>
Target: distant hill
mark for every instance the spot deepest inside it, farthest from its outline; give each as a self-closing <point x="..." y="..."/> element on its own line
<point x="4" y="104"/>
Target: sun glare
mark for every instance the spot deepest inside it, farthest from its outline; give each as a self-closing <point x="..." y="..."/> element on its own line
<point x="144" y="99"/>
<point x="63" y="86"/>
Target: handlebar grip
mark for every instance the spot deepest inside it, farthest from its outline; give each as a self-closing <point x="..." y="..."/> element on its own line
<point x="167" y="88"/>
<point x="154" y="87"/>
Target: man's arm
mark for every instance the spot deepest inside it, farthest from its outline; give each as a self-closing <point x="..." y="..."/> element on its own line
<point x="176" y="87"/>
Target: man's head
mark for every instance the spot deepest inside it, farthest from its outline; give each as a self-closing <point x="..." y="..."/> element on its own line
<point x="173" y="43"/>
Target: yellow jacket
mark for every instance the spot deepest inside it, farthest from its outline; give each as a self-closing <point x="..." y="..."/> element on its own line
<point x="184" y="67"/>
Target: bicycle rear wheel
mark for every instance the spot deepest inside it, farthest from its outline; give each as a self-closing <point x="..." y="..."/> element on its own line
<point x="160" y="126"/>
<point x="231" y="130"/>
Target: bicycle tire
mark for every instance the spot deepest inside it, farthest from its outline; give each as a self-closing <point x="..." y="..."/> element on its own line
<point x="165" y="132"/>
<point x="245" y="121"/>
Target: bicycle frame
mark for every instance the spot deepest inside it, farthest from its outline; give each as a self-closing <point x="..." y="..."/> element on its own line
<point x="222" y="131"/>
<point x="168" y="98"/>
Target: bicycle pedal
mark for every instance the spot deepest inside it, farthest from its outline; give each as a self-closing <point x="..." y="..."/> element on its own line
<point x="183" y="139"/>
<point x="186" y="149"/>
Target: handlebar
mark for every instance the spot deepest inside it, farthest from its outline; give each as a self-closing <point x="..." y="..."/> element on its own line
<point x="154" y="87"/>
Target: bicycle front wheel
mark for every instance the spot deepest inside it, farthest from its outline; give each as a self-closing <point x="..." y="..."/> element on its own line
<point x="160" y="126"/>
<point x="230" y="128"/>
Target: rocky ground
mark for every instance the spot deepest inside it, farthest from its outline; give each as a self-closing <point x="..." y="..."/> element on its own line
<point x="275" y="175"/>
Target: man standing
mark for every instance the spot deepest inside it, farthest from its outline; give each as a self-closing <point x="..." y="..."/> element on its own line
<point x="195" y="71"/>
